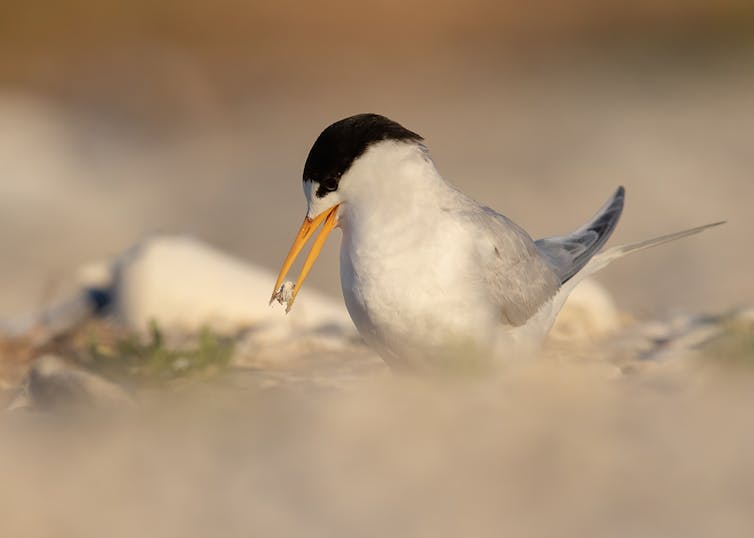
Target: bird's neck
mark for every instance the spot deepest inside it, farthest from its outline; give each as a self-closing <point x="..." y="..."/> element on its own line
<point x="396" y="189"/>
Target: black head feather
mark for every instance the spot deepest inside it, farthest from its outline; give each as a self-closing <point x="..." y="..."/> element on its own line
<point x="338" y="146"/>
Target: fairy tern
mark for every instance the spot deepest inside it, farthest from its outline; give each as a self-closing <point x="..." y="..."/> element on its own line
<point x="429" y="274"/>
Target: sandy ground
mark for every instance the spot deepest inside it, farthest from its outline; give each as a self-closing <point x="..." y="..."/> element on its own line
<point x="554" y="449"/>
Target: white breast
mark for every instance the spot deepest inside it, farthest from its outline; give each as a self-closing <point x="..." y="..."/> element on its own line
<point x="403" y="293"/>
<point x="409" y="265"/>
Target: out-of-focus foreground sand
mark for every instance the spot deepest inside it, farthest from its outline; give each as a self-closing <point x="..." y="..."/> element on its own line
<point x="553" y="450"/>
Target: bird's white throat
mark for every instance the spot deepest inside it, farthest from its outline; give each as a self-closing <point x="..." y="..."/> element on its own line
<point x="392" y="185"/>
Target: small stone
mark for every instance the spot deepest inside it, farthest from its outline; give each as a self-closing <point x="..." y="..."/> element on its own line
<point x="181" y="364"/>
<point x="54" y="384"/>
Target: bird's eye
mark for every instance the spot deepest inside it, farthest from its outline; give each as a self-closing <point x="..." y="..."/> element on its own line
<point x="330" y="184"/>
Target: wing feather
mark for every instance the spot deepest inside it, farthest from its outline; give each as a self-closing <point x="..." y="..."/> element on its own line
<point x="568" y="254"/>
<point x="514" y="272"/>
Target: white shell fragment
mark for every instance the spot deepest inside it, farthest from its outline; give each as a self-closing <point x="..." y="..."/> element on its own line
<point x="284" y="295"/>
<point x="588" y="313"/>
<point x="185" y="285"/>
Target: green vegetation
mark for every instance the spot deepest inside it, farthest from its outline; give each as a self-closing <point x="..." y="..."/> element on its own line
<point x="735" y="344"/>
<point x="129" y="359"/>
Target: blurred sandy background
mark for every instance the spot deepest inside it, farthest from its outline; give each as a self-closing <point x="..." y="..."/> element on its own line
<point x="118" y="119"/>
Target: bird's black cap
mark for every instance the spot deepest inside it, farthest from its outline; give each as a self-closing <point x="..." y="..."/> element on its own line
<point x="338" y="146"/>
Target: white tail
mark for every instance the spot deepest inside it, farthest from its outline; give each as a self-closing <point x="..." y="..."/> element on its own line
<point x="604" y="258"/>
<point x="601" y="260"/>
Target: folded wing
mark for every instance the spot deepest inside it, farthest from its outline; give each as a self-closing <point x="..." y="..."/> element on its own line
<point x="568" y="254"/>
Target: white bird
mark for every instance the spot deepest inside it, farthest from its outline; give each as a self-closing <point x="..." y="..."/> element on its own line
<point x="429" y="275"/>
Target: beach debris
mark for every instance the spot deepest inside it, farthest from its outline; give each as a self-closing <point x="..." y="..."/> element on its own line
<point x="54" y="384"/>
<point x="284" y="295"/>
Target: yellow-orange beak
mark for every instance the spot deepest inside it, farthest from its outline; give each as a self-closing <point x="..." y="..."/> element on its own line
<point x="304" y="233"/>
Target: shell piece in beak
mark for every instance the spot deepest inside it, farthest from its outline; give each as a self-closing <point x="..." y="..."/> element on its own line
<point x="309" y="226"/>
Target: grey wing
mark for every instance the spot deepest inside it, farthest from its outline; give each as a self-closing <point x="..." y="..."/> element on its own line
<point x="568" y="254"/>
<point x="515" y="273"/>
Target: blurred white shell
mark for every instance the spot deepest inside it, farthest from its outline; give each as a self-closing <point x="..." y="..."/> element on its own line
<point x="589" y="313"/>
<point x="184" y="284"/>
